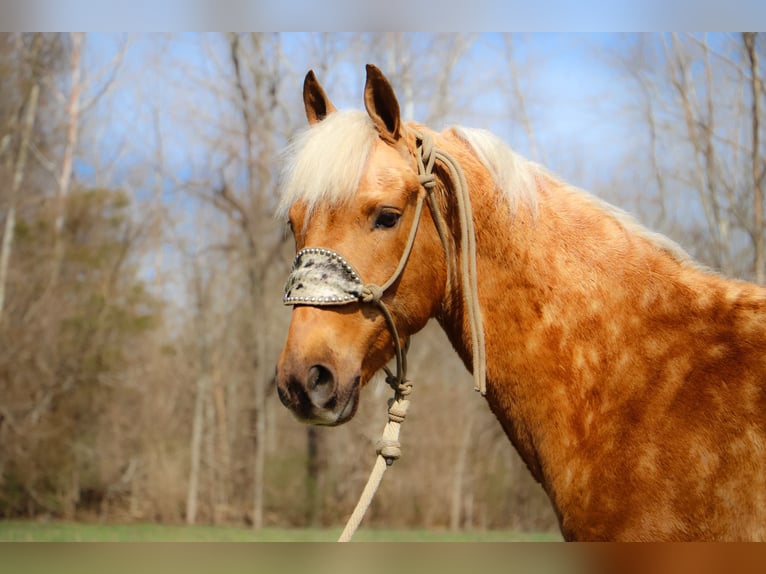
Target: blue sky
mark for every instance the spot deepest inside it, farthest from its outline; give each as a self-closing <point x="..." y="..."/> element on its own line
<point x="574" y="98"/>
<point x="161" y="85"/>
<point x="568" y="88"/>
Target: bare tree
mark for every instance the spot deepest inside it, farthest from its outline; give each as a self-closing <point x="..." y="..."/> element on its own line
<point x="519" y="106"/>
<point x="202" y="389"/>
<point x="255" y="61"/>
<point x="700" y="128"/>
<point x="758" y="163"/>
<point x="693" y="101"/>
<point x="18" y="176"/>
<point x="70" y="144"/>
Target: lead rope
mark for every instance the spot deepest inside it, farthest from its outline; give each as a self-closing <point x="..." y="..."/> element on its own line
<point x="388" y="447"/>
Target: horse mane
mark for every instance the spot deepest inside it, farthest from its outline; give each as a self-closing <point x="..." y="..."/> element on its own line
<point x="518" y="178"/>
<point x="515" y="176"/>
<point x="325" y="163"/>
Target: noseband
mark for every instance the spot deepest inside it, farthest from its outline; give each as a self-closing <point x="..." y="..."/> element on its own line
<point x="322" y="277"/>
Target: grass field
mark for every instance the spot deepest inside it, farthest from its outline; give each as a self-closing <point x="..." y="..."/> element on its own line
<point x="30" y="531"/>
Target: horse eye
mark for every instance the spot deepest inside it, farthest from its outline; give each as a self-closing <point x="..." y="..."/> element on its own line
<point x="387" y="219"/>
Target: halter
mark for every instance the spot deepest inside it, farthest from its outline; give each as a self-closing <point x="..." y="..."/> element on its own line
<point x="322" y="277"/>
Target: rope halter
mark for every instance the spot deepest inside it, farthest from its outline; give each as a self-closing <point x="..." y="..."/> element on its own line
<point x="322" y="277"/>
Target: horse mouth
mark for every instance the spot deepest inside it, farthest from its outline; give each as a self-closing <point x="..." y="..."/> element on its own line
<point x="336" y="410"/>
<point x="348" y="410"/>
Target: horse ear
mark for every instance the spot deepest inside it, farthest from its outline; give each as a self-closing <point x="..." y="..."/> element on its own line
<point x="381" y="104"/>
<point x="318" y="106"/>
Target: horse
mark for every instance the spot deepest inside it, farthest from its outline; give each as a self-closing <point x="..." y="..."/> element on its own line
<point x="630" y="378"/>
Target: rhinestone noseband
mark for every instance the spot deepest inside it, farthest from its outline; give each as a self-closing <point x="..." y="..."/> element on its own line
<point x="321" y="277"/>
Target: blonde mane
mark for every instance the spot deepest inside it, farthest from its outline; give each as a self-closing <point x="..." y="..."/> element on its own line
<point x="517" y="179"/>
<point x="325" y="162"/>
<point x="515" y="176"/>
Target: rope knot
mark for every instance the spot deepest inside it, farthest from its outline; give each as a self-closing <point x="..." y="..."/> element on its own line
<point x="427" y="180"/>
<point x="389" y="449"/>
<point x="371" y="293"/>
<point x="427" y="150"/>
<point x="397" y="410"/>
<point x="404" y="388"/>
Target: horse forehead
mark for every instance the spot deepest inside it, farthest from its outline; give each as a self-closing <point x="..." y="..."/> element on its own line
<point x="387" y="176"/>
<point x="387" y="171"/>
<point x="384" y="155"/>
<point x="328" y="224"/>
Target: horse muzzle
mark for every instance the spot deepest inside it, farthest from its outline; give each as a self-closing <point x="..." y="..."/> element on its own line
<point x="316" y="395"/>
<point x="318" y="378"/>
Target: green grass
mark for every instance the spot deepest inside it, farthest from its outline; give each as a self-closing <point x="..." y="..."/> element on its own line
<point x="30" y="531"/>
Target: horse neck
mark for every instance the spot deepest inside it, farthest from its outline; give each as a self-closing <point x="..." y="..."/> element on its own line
<point x="563" y="287"/>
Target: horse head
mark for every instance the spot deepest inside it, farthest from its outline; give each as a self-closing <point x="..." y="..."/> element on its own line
<point x="370" y="270"/>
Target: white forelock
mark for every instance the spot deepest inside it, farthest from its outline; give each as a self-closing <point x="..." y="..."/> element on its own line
<point x="325" y="163"/>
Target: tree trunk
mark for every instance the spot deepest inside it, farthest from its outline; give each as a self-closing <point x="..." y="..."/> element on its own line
<point x="456" y="505"/>
<point x="259" y="456"/>
<point x="65" y="176"/>
<point x="192" y="493"/>
<point x="200" y="400"/>
<point x="18" y="176"/>
<point x="757" y="167"/>
<point x="313" y="475"/>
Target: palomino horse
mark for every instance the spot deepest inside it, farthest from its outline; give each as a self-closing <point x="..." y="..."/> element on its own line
<point x="631" y="380"/>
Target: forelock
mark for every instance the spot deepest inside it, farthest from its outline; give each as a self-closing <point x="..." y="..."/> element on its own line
<point x="325" y="163"/>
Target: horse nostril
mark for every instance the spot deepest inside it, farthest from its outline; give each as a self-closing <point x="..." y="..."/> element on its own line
<point x="284" y="397"/>
<point x="320" y="385"/>
<point x="308" y="394"/>
<point x="319" y="376"/>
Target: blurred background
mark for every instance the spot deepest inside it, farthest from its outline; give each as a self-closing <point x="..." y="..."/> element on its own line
<point x="141" y="266"/>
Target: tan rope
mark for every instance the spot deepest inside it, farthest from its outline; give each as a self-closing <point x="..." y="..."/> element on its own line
<point x="426" y="159"/>
<point x="470" y="275"/>
<point x="388" y="449"/>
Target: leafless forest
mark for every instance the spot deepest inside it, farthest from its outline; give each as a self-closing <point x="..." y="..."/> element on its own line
<point x="141" y="267"/>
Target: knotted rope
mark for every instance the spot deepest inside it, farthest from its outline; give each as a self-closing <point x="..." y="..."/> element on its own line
<point x="426" y="160"/>
<point x="388" y="450"/>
